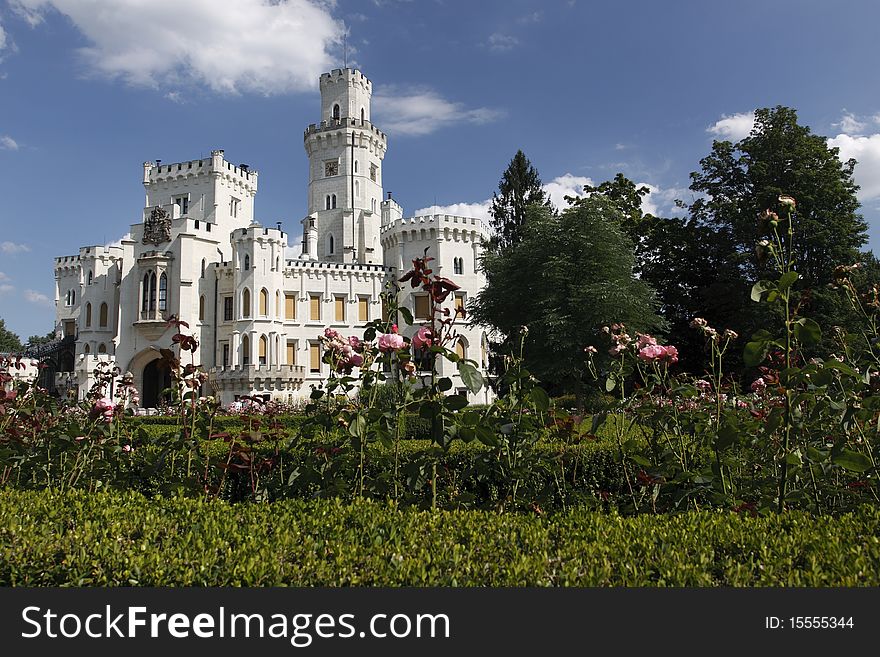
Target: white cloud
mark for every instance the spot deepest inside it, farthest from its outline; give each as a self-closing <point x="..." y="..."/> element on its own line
<point x="866" y="151"/>
<point x="118" y="242"/>
<point x="566" y="185"/>
<point x="2" y="37"/>
<point x="38" y="298"/>
<point x="422" y="111"/>
<point x="7" y="143"/>
<point x="6" y="288"/>
<point x="11" y="248"/>
<point x="478" y="210"/>
<point x="263" y="46"/>
<point x="4" y="278"/>
<point x="502" y="42"/>
<point x="734" y="127"/>
<point x="557" y="189"/>
<point x="534" y="17"/>
<point x="659" y="201"/>
<point x="850" y="124"/>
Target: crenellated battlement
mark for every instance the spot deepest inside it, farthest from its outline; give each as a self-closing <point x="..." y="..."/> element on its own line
<point x="258" y="233"/>
<point x="350" y="75"/>
<point x="157" y="172"/>
<point x="345" y="122"/>
<point x="437" y="221"/>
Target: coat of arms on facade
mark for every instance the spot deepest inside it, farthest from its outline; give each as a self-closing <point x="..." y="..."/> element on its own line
<point x="157" y="229"/>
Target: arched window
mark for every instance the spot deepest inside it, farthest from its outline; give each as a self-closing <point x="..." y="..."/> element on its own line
<point x="73" y="297"/>
<point x="102" y="348"/>
<point x="246" y="303"/>
<point x="327" y="202"/>
<point x="330" y="245"/>
<point x="333" y="202"/>
<point x="89" y="278"/>
<point x="458" y="266"/>
<point x="355" y="166"/>
<point x="202" y="308"/>
<point x="357" y="188"/>
<point x="149" y="292"/>
<point x="245" y="350"/>
<point x="278" y="306"/>
<point x="163" y="292"/>
<point x="88" y="315"/>
<point x="460" y="348"/>
<point x="336" y="112"/>
<point x="264" y="303"/>
<point x="87" y="349"/>
<point x="102" y="315"/>
<point x="277" y="263"/>
<point x="247" y="262"/>
<point x="203" y="267"/>
<point x="264" y="347"/>
<point x="362" y="115"/>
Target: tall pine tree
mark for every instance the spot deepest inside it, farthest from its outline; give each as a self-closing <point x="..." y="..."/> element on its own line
<point x="519" y="188"/>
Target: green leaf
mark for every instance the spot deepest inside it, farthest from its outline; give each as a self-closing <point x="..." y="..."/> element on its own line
<point x="807" y="332"/>
<point x="540" y="399"/>
<point x="444" y="384"/>
<point x="610" y="384"/>
<point x="456" y="402"/>
<point x="759" y="288"/>
<point x="787" y="280"/>
<point x="358" y="426"/>
<point x="755" y="353"/>
<point x="471" y="376"/>
<point x="850" y="460"/>
<point x="406" y="315"/>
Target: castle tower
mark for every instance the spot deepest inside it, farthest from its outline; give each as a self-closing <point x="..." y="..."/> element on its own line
<point x="345" y="171"/>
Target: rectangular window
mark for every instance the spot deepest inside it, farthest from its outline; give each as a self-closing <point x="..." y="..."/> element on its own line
<point x="422" y="308"/>
<point x="227" y="309"/>
<point x="291" y="353"/>
<point x="315" y="307"/>
<point x="363" y="309"/>
<point x="289" y="306"/>
<point x="339" y="308"/>
<point x="459" y="305"/>
<point x="314" y="357"/>
<point x="182" y="204"/>
<point x="234" y="206"/>
<point x="225" y="360"/>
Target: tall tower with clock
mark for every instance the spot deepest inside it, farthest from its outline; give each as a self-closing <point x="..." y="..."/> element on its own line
<point x="345" y="173"/>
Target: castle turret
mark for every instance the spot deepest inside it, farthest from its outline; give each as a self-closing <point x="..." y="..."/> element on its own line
<point x="345" y="170"/>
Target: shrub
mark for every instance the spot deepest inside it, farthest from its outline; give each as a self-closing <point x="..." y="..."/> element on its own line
<point x="112" y="539"/>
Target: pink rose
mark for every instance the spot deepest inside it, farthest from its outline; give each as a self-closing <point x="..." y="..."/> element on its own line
<point x="759" y="385"/>
<point x="354" y="342"/>
<point x="651" y="353"/>
<point x="355" y="360"/>
<point x="423" y="338"/>
<point x="645" y="341"/>
<point x="330" y="333"/>
<point x="104" y="404"/>
<point x="390" y="342"/>
<point x="671" y="355"/>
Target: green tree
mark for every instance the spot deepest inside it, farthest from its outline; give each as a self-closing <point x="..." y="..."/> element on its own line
<point x="9" y="342"/>
<point x="569" y="275"/>
<point x="735" y="183"/>
<point x="520" y="187"/>
<point x="36" y="340"/>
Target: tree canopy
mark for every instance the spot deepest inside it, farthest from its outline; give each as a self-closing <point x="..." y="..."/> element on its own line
<point x="9" y="341"/>
<point x="569" y="275"/>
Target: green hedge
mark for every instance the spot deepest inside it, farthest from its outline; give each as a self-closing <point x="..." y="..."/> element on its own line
<point x="48" y="539"/>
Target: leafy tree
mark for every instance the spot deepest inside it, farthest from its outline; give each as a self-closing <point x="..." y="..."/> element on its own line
<point x="712" y="253"/>
<point x="9" y="342"/>
<point x="36" y="340"/>
<point x="520" y="186"/>
<point x="570" y="274"/>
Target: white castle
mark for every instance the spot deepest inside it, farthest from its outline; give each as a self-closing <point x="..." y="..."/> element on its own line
<point x="200" y="255"/>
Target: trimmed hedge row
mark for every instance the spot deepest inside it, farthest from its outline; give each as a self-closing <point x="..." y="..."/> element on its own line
<point x="49" y="539"/>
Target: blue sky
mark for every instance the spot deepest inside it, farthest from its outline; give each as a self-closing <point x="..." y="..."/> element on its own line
<point x="89" y="89"/>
